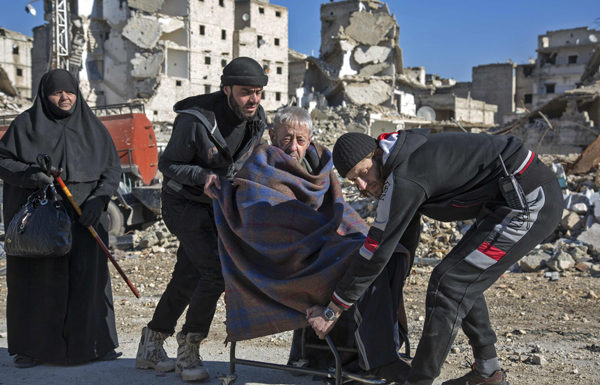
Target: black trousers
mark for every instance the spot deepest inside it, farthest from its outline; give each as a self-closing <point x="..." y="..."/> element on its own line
<point x="455" y="299"/>
<point x="197" y="278"/>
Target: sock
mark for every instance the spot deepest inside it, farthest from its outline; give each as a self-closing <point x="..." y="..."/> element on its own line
<point x="487" y="367"/>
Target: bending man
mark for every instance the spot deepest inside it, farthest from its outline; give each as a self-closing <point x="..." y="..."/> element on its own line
<point x="448" y="177"/>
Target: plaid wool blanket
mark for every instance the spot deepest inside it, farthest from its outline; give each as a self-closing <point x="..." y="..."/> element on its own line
<point x="285" y="238"/>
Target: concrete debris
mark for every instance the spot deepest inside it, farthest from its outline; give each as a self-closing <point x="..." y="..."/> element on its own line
<point x="537" y="359"/>
<point x="373" y="69"/>
<point x="150" y="6"/>
<point x="373" y="54"/>
<point x="170" y="24"/>
<point x="375" y="92"/>
<point x="561" y="261"/>
<point x="534" y="261"/>
<point x="147" y="64"/>
<point x="571" y="221"/>
<point x="591" y="236"/>
<point x="368" y="28"/>
<point x="144" y="31"/>
<point x="588" y="159"/>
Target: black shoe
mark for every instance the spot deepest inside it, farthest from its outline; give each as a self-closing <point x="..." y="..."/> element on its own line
<point x="110" y="356"/>
<point x="396" y="371"/>
<point x="23" y="361"/>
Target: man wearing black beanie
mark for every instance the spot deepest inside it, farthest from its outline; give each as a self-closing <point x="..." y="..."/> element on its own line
<point x="516" y="202"/>
<point x="212" y="136"/>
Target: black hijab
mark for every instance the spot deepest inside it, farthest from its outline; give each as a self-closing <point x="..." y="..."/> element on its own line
<point x="76" y="140"/>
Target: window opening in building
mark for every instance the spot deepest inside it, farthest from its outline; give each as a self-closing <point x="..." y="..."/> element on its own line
<point x="528" y="98"/>
<point x="206" y="59"/>
<point x="261" y="10"/>
<point x="155" y="112"/>
<point x="259" y="40"/>
<point x="573" y="59"/>
<point x="15" y="49"/>
<point x="222" y="3"/>
<point x="279" y="70"/>
<point x="528" y="71"/>
<point x="223" y="34"/>
<point x="202" y="31"/>
<point x="223" y="63"/>
<point x="277" y="13"/>
<point x="178" y="83"/>
<point x="207" y="89"/>
<point x="550" y="88"/>
<point x="278" y="96"/>
<point x="19" y="72"/>
<point x="276" y="41"/>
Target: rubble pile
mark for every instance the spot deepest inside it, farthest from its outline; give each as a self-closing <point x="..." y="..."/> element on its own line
<point x="12" y="105"/>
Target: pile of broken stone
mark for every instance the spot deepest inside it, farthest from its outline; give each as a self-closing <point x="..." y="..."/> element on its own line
<point x="573" y="248"/>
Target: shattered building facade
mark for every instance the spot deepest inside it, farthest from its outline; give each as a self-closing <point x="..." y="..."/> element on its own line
<point x="361" y="63"/>
<point x="15" y="63"/>
<point x="161" y="51"/>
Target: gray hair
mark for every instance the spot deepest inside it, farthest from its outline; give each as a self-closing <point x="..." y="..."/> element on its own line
<point x="293" y="116"/>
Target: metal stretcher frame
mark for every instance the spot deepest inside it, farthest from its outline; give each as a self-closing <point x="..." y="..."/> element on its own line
<point x="339" y="375"/>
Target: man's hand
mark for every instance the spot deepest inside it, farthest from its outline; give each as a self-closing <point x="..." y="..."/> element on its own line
<point x="316" y="319"/>
<point x="212" y="180"/>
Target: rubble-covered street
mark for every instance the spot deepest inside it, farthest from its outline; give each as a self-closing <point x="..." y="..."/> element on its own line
<point x="546" y="312"/>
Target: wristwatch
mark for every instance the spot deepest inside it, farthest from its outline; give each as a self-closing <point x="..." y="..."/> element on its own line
<point x="330" y="315"/>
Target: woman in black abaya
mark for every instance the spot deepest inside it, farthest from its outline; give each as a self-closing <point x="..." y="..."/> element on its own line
<point x="60" y="310"/>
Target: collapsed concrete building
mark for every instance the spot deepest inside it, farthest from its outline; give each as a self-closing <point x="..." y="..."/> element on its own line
<point x="161" y="51"/>
<point x="15" y="63"/>
<point x="361" y="63"/>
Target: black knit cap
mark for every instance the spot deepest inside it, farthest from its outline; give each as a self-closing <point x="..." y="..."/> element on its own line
<point x="350" y="149"/>
<point x="244" y="71"/>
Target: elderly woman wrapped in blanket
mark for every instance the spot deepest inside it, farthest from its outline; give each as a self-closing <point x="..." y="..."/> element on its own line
<point x="286" y="236"/>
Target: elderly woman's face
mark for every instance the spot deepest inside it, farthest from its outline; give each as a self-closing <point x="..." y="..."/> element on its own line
<point x="62" y="99"/>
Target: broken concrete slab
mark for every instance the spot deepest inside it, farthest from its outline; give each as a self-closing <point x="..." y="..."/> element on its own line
<point x="373" y="92"/>
<point x="373" y="54"/>
<point x="170" y="24"/>
<point x="571" y="221"/>
<point x="143" y="31"/>
<point x="373" y="69"/>
<point x="596" y="204"/>
<point x="145" y="88"/>
<point x="147" y="64"/>
<point x="150" y="6"/>
<point x="588" y="159"/>
<point x="368" y="28"/>
<point x="534" y="261"/>
<point x="591" y="236"/>
<point x="561" y="262"/>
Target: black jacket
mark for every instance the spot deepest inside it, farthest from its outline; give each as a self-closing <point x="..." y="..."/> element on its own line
<point x="447" y="177"/>
<point x="196" y="146"/>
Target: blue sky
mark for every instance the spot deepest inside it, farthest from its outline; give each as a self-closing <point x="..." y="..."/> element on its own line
<point x="447" y="37"/>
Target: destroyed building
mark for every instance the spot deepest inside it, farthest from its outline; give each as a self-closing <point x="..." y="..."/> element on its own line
<point x="161" y="51"/>
<point x="361" y="63"/>
<point x="15" y="63"/>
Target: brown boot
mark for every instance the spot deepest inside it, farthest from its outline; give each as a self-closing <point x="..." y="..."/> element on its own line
<point x="152" y="354"/>
<point x="189" y="363"/>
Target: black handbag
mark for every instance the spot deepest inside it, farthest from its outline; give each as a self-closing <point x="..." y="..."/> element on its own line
<point x="41" y="229"/>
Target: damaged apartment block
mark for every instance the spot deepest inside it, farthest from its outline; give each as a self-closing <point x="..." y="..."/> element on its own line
<point x="160" y="51"/>
<point x="360" y="63"/>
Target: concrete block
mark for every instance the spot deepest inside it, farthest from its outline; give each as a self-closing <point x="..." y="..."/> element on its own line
<point x="571" y="221"/>
<point x="375" y="92"/>
<point x="143" y="31"/>
<point x="145" y="88"/>
<point x="368" y="28"/>
<point x="373" y="54"/>
<point x="561" y="262"/>
<point x="150" y="6"/>
<point x="579" y="208"/>
<point x="147" y="64"/>
<point x="591" y="236"/>
<point x="533" y="261"/>
<point x="169" y="24"/>
<point x="575" y="198"/>
<point x="373" y="69"/>
<point x="596" y="204"/>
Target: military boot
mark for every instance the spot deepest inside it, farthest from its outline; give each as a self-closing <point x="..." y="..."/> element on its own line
<point x="189" y="363"/>
<point x="151" y="353"/>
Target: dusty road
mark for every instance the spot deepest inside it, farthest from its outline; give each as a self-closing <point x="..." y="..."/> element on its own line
<point x="557" y="322"/>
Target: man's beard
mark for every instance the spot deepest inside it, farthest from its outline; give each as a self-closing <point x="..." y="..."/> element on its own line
<point x="380" y="181"/>
<point x="237" y="109"/>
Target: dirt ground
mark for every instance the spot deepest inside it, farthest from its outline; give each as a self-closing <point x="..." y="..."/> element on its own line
<point x="556" y="322"/>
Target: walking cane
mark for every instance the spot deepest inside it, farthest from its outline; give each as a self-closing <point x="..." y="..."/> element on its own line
<point x="44" y="161"/>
